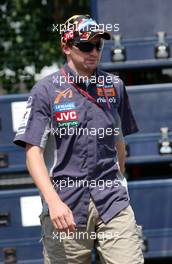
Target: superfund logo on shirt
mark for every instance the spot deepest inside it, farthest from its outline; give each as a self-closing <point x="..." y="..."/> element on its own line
<point x="66" y="116"/>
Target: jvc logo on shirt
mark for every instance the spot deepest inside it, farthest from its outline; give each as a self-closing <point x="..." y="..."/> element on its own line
<point x="66" y="116"/>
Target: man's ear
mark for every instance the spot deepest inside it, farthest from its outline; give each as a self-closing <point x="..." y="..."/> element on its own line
<point x="66" y="49"/>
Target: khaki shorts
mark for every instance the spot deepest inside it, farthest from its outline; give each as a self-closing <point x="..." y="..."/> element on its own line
<point x="117" y="242"/>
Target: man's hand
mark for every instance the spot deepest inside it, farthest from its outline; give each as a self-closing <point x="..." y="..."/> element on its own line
<point x="61" y="216"/>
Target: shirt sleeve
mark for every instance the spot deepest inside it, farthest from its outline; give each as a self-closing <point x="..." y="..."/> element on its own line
<point x="128" y="122"/>
<point x="35" y="125"/>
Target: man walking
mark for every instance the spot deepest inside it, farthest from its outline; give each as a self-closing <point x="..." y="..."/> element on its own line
<point x="73" y="133"/>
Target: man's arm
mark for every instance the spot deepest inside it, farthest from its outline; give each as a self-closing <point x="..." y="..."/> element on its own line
<point x="60" y="213"/>
<point x="120" y="146"/>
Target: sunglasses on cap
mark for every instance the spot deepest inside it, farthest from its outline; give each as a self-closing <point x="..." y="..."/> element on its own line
<point x="89" y="46"/>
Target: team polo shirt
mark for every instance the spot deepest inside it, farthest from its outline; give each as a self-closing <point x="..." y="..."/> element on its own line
<point x="78" y="134"/>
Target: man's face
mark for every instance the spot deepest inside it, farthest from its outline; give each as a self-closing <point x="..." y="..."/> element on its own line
<point x="86" y="61"/>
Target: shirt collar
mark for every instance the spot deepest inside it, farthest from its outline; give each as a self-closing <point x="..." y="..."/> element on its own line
<point x="77" y="80"/>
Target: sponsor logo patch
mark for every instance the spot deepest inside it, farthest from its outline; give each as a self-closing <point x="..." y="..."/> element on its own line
<point x="23" y="123"/>
<point x="66" y="124"/>
<point x="85" y="35"/>
<point x="66" y="116"/>
<point x="67" y="93"/>
<point x="64" y="107"/>
<point x="68" y="35"/>
<point x="20" y="131"/>
<point x="109" y="92"/>
<point x="109" y="86"/>
<point x="29" y="101"/>
<point x="103" y="100"/>
<point x="25" y="117"/>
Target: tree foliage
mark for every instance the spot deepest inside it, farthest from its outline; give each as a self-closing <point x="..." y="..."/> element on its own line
<point x="27" y="40"/>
